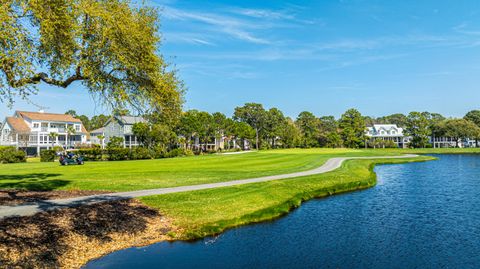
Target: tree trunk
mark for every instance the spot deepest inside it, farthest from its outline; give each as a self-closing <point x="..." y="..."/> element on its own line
<point x="256" y="139"/>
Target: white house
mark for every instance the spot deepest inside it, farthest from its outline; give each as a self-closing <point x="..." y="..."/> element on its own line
<point x="387" y="132"/>
<point x="31" y="131"/>
<point x="120" y="126"/>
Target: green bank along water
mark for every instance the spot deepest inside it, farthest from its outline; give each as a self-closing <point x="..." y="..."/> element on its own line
<point x="420" y="215"/>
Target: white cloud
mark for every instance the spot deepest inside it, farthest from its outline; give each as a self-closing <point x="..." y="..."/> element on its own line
<point x="262" y="13"/>
<point x="233" y="27"/>
<point x="190" y="38"/>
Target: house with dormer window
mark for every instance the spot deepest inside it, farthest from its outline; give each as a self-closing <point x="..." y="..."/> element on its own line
<point x="388" y="132"/>
<point x="31" y="131"/>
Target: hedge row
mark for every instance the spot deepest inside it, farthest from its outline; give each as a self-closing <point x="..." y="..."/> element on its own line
<point x="12" y="155"/>
<point x="119" y="154"/>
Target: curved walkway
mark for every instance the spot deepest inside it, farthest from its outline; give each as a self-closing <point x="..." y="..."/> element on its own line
<point x="31" y="209"/>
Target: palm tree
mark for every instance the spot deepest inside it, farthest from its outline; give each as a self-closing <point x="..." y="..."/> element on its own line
<point x="101" y="138"/>
<point x="53" y="136"/>
<point x="70" y="131"/>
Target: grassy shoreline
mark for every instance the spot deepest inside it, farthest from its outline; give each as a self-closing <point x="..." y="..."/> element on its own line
<point x="197" y="213"/>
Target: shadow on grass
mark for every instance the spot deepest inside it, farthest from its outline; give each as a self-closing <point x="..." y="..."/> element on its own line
<point x="32" y="182"/>
<point x="41" y="240"/>
<point x="13" y="185"/>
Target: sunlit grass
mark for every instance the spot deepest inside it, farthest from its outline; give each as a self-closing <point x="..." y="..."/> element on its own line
<point x="207" y="212"/>
<point x="148" y="174"/>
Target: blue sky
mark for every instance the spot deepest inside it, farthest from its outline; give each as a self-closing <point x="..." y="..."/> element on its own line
<point x="381" y="57"/>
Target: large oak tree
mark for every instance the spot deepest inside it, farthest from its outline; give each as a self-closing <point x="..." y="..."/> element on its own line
<point x="109" y="46"/>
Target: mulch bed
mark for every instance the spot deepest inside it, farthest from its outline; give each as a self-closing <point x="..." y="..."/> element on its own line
<point x="18" y="197"/>
<point x="70" y="237"/>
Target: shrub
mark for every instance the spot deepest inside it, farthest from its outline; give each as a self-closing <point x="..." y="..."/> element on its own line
<point x="12" y="155"/>
<point x="178" y="152"/>
<point x="115" y="143"/>
<point x="86" y="146"/>
<point x="118" y="154"/>
<point x="58" y="148"/>
<point x="48" y="155"/>
<point x="91" y="154"/>
<point x="140" y="153"/>
<point x="159" y="152"/>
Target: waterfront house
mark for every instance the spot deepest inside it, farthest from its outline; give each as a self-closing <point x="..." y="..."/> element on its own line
<point x="388" y="132"/>
<point x="119" y="126"/>
<point x="451" y="142"/>
<point x="32" y="131"/>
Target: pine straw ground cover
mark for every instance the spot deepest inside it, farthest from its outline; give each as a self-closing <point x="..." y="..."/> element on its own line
<point x="68" y="238"/>
<point x="17" y="197"/>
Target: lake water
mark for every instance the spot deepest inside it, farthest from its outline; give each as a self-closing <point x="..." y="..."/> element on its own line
<point x="420" y="215"/>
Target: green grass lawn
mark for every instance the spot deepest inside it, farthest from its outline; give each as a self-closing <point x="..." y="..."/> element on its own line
<point x="208" y="212"/>
<point x="205" y="212"/>
<point x="147" y="174"/>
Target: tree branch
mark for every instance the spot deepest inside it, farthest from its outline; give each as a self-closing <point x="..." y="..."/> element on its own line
<point x="37" y="78"/>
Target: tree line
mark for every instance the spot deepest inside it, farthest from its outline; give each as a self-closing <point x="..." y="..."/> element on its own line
<point x="254" y="126"/>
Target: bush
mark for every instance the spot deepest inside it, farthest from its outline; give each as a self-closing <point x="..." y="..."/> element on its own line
<point x="159" y="152"/>
<point x="48" y="155"/>
<point x="12" y="155"/>
<point x="58" y="148"/>
<point x="115" y="143"/>
<point x="140" y="153"/>
<point x="91" y="154"/>
<point x="118" y="154"/>
<point x="178" y="152"/>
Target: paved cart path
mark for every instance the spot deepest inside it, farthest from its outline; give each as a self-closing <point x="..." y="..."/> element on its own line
<point x="31" y="209"/>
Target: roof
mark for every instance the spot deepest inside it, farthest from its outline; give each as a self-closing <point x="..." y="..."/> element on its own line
<point x="130" y="119"/>
<point x="48" y="116"/>
<point x="385" y="126"/>
<point x="99" y="130"/>
<point x="18" y="124"/>
<point x="388" y="128"/>
<point x="84" y="130"/>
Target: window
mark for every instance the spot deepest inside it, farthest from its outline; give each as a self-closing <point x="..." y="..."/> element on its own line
<point x="77" y="128"/>
<point x="36" y="125"/>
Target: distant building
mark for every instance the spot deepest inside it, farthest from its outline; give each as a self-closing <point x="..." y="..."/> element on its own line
<point x="97" y="137"/>
<point x="119" y="126"/>
<point x="388" y="132"/>
<point x="31" y="131"/>
<point x="450" y="142"/>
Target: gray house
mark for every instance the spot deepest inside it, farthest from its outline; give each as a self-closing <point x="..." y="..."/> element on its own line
<point x="119" y="126"/>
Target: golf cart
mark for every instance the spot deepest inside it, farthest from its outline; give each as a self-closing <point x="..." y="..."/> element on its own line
<point x="68" y="157"/>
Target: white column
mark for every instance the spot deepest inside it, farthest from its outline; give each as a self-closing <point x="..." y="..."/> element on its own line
<point x="16" y="137"/>
<point x="38" y="142"/>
